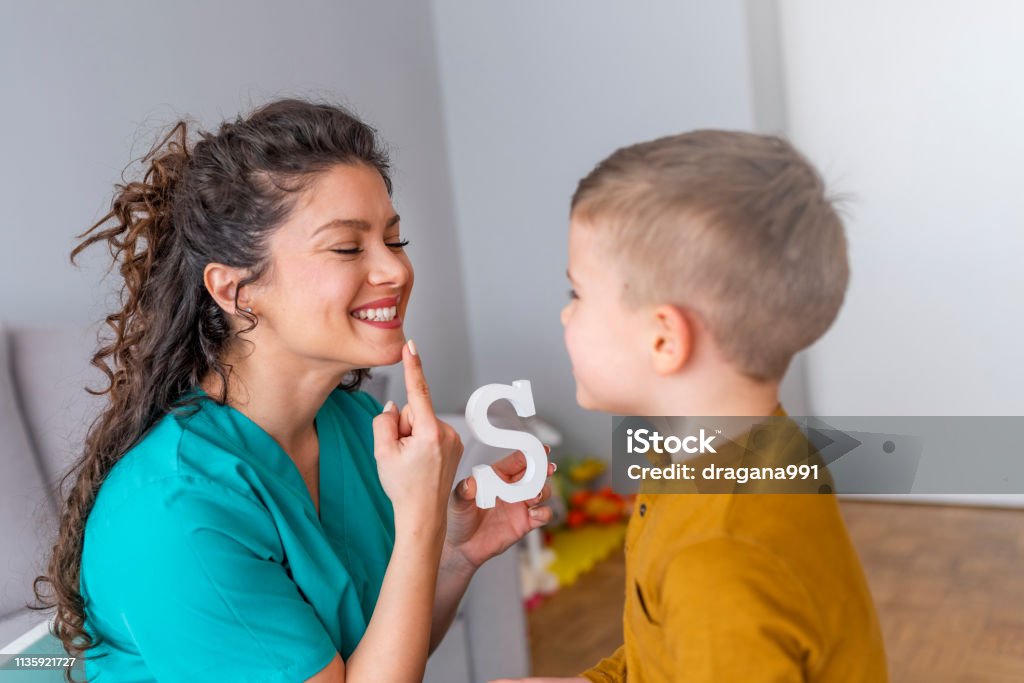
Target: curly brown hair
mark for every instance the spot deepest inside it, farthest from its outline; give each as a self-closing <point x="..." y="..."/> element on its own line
<point x="217" y="200"/>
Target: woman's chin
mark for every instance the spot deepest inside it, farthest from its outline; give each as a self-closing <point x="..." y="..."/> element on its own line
<point x="390" y="355"/>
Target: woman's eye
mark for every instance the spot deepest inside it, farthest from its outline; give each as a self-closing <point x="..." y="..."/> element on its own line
<point x="400" y="244"/>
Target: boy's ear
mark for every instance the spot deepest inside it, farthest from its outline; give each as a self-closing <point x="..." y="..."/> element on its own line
<point x="672" y="340"/>
<point x="221" y="282"/>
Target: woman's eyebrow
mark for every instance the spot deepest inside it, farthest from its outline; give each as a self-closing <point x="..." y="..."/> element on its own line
<point x="357" y="223"/>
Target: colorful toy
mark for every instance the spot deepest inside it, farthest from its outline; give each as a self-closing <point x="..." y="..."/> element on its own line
<point x="578" y="550"/>
<point x="584" y="471"/>
<point x="603" y="507"/>
<point x="536" y="579"/>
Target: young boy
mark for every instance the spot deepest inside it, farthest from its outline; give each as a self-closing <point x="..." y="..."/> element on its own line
<point x="700" y="264"/>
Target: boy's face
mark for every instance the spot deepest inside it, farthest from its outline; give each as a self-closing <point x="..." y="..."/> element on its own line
<point x="606" y="339"/>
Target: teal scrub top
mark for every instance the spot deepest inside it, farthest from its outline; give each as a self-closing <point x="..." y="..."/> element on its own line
<point x="204" y="558"/>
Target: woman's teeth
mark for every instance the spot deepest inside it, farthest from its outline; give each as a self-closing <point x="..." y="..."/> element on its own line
<point x="379" y="315"/>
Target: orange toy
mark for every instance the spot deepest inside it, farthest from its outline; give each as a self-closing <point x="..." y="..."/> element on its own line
<point x="603" y="507"/>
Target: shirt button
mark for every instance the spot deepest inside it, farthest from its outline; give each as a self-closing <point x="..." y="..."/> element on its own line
<point x="643" y="509"/>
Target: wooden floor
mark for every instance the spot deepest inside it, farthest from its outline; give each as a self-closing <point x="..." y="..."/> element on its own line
<point x="948" y="583"/>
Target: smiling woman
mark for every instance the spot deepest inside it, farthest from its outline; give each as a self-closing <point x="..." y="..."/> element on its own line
<point x="241" y="511"/>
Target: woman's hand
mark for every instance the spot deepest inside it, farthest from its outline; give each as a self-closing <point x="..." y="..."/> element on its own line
<point x="416" y="471"/>
<point x="475" y="535"/>
<point x="417" y="467"/>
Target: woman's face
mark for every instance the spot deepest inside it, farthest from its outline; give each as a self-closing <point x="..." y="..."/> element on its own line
<point x="339" y="280"/>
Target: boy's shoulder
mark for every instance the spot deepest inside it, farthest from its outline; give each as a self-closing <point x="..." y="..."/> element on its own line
<point x="802" y="529"/>
<point x="750" y="505"/>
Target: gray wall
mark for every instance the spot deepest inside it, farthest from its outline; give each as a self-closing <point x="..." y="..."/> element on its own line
<point x="535" y="94"/>
<point x="86" y="86"/>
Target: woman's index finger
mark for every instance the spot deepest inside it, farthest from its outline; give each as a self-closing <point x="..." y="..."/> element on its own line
<point x="416" y="388"/>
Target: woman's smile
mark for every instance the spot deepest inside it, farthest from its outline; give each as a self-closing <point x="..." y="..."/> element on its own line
<point x="380" y="313"/>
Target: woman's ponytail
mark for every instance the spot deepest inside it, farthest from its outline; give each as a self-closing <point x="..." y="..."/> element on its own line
<point x="141" y="227"/>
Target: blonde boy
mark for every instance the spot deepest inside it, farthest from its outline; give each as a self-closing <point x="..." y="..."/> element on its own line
<point x="700" y="264"/>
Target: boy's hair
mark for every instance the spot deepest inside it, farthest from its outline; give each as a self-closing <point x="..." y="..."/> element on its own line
<point x="733" y="226"/>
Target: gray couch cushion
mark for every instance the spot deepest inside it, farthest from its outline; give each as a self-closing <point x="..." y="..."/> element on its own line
<point x="26" y="509"/>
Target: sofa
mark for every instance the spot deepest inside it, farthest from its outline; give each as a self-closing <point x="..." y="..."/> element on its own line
<point x="44" y="415"/>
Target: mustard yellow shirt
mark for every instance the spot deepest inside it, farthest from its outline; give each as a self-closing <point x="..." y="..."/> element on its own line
<point x="744" y="588"/>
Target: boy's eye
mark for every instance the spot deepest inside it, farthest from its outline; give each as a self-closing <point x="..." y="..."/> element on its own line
<point x="573" y="294"/>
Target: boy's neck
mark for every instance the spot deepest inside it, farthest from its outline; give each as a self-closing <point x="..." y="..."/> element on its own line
<point x="739" y="397"/>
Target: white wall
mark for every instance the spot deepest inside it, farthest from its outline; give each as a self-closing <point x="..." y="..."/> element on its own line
<point x="535" y="94"/>
<point x="87" y="85"/>
<point x="915" y="108"/>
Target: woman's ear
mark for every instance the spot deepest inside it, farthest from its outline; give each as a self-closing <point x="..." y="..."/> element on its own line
<point x="222" y="282"/>
<point x="672" y="341"/>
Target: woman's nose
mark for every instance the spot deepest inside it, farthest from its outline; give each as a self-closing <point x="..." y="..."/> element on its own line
<point x="388" y="267"/>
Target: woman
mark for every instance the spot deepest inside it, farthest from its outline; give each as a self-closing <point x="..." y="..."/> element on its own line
<point x="241" y="511"/>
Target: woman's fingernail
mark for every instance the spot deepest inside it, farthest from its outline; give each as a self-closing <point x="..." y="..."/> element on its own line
<point x="412" y="347"/>
<point x="388" y="406"/>
<point x="535" y="513"/>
